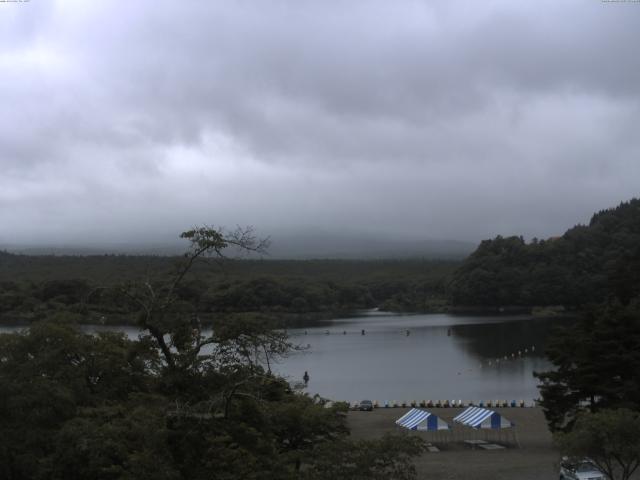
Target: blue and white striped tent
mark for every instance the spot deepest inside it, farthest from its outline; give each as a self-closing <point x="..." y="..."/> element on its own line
<point x="416" y="419"/>
<point x="477" y="417"/>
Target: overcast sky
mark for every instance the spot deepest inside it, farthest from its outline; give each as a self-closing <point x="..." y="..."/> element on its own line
<point x="443" y="119"/>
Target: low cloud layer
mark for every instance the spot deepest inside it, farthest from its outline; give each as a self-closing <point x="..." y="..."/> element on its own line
<point x="414" y="119"/>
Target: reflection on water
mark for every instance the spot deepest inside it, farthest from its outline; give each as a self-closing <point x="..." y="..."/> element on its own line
<point x="415" y="357"/>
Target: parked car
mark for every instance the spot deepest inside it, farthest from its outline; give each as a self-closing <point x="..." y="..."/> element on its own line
<point x="580" y="470"/>
<point x="366" y="406"/>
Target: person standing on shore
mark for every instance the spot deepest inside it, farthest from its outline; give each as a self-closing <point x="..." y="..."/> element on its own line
<point x="305" y="377"/>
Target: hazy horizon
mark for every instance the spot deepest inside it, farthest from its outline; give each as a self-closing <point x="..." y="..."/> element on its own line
<point x="292" y="247"/>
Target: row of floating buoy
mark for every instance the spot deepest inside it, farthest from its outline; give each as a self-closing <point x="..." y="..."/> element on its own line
<point x="448" y="404"/>
<point x="513" y="355"/>
<point x="496" y="361"/>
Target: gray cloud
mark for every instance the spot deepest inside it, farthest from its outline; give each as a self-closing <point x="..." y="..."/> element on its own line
<point x="415" y="119"/>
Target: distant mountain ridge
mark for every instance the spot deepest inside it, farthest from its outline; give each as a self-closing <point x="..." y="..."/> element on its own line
<point x="588" y="264"/>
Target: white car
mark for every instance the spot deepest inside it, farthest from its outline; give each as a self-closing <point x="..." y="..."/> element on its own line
<point x="581" y="470"/>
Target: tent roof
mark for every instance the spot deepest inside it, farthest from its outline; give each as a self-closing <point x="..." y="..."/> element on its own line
<point x="477" y="417"/>
<point x="416" y="419"/>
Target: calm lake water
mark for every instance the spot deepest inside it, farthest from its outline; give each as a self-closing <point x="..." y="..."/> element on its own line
<point x="442" y="357"/>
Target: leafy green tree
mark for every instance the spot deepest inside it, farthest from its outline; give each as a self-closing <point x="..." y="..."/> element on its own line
<point x="123" y="442"/>
<point x="390" y="457"/>
<point x="301" y="422"/>
<point x="609" y="438"/>
<point x="597" y="365"/>
<point x="49" y="374"/>
<point x="159" y="312"/>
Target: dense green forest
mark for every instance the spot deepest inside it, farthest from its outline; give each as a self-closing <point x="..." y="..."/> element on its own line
<point x="588" y="264"/>
<point x="296" y="291"/>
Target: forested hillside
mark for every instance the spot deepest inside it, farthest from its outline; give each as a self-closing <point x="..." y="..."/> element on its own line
<point x="305" y="290"/>
<point x="588" y="264"/>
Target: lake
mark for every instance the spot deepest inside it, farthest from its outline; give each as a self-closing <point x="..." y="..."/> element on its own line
<point x="416" y="357"/>
<point x="422" y="357"/>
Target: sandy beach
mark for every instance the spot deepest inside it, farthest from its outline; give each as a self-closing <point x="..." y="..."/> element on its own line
<point x="534" y="458"/>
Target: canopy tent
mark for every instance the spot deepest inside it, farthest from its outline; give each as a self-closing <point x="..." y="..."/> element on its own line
<point x="416" y="419"/>
<point x="476" y="417"/>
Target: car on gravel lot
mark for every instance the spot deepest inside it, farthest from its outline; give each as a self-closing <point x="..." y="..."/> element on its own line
<point x="580" y="470"/>
<point x="366" y="406"/>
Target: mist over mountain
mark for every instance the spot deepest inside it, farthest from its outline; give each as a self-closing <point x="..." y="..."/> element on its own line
<point x="294" y="246"/>
<point x="362" y="246"/>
